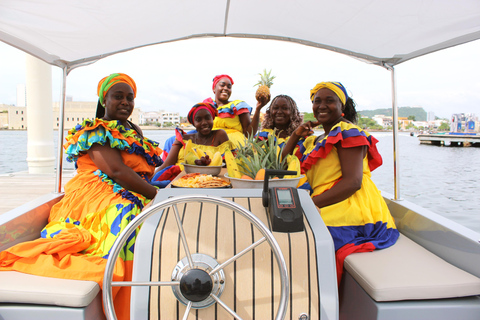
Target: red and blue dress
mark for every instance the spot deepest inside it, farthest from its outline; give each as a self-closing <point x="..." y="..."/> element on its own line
<point x="362" y="222"/>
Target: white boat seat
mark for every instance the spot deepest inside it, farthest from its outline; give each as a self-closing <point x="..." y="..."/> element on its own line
<point x="16" y="287"/>
<point x="407" y="271"/>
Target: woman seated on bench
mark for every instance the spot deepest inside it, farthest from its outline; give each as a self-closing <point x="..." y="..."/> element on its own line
<point x="338" y="167"/>
<point x="114" y="163"/>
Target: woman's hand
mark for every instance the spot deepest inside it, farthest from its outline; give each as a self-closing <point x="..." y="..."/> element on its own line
<point x="263" y="101"/>
<point x="306" y="129"/>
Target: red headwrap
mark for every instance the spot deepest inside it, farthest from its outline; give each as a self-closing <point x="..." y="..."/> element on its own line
<point x="200" y="106"/>
<point x="217" y="78"/>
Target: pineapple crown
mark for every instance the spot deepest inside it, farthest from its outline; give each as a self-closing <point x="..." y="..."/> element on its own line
<point x="265" y="79"/>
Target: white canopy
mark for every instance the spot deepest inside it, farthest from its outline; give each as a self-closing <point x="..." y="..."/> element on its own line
<point x="69" y="33"/>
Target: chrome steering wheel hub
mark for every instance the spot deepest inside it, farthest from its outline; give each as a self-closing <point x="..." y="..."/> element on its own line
<point x="196" y="283"/>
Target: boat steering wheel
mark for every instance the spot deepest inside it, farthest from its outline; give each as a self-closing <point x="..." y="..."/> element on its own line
<point x="195" y="268"/>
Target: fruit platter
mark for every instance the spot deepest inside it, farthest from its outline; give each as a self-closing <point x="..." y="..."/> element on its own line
<point x="199" y="180"/>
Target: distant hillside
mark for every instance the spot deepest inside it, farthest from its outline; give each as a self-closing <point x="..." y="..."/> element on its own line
<point x="419" y="113"/>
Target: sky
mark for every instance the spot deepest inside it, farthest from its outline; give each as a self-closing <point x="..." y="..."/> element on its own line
<point x="174" y="76"/>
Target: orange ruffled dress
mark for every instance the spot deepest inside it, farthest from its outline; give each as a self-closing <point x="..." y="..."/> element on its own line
<point x="362" y="222"/>
<point x="83" y="226"/>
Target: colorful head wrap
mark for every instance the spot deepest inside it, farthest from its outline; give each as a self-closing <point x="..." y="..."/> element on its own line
<point x="217" y="78"/>
<point x="200" y="106"/>
<point x="106" y="83"/>
<point x="336" y="87"/>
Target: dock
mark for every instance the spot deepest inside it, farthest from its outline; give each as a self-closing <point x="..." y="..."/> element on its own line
<point x="22" y="187"/>
<point x="450" y="139"/>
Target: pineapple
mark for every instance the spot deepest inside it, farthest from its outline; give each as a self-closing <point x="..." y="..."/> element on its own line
<point x="258" y="155"/>
<point x="266" y="81"/>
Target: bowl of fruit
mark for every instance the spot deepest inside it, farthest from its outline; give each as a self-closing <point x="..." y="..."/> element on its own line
<point x="195" y="162"/>
<point x="247" y="168"/>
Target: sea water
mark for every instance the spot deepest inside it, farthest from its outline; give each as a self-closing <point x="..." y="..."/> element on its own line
<point x="444" y="180"/>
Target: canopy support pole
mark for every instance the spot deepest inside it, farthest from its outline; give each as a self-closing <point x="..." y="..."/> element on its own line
<point x="396" y="175"/>
<point x="61" y="125"/>
<point x="40" y="146"/>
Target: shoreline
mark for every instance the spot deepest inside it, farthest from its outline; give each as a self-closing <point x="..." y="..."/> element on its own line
<point x="141" y="127"/>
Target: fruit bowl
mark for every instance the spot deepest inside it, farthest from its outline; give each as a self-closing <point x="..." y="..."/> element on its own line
<point x="191" y="168"/>
<point x="238" y="183"/>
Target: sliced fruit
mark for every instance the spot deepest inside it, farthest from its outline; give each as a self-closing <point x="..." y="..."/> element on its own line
<point x="232" y="167"/>
<point x="188" y="147"/>
<point x="200" y="153"/>
<point x="190" y="158"/>
<point x="209" y="153"/>
<point x="260" y="174"/>
<point x="216" y="159"/>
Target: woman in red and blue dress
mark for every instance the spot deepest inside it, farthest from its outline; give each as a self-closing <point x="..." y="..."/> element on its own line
<point x="338" y="166"/>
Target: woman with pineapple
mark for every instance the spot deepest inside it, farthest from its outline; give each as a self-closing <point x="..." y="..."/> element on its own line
<point x="338" y="166"/>
<point x="234" y="116"/>
<point x="204" y="141"/>
<point x="281" y="119"/>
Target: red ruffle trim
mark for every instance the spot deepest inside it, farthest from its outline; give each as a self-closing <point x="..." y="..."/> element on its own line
<point x="323" y="148"/>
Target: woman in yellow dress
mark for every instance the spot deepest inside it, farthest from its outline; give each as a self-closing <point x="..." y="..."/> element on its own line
<point x="338" y="167"/>
<point x="114" y="163"/>
<point x="233" y="116"/>
<point x="202" y="117"/>
<point x="281" y="119"/>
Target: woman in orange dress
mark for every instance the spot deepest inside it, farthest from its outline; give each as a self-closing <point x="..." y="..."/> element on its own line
<point x="114" y="163"/>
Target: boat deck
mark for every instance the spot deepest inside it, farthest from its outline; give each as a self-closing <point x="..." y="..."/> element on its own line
<point x="21" y="187"/>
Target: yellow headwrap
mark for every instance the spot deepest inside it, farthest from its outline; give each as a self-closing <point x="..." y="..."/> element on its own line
<point x="336" y="87"/>
<point x="106" y="83"/>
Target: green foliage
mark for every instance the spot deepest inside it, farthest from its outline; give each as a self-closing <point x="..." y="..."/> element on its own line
<point x="366" y="123"/>
<point x="419" y="113"/>
<point x="410" y="126"/>
<point x="444" y="127"/>
<point x="308" y="117"/>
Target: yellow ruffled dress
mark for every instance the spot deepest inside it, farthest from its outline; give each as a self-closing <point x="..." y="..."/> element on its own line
<point x="363" y="221"/>
<point x="228" y="119"/>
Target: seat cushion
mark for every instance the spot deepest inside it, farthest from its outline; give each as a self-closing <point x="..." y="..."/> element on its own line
<point x="16" y="287"/>
<point x="407" y="271"/>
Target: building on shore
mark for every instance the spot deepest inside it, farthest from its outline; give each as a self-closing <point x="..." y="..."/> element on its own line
<point x="15" y="118"/>
<point x="161" y="118"/>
